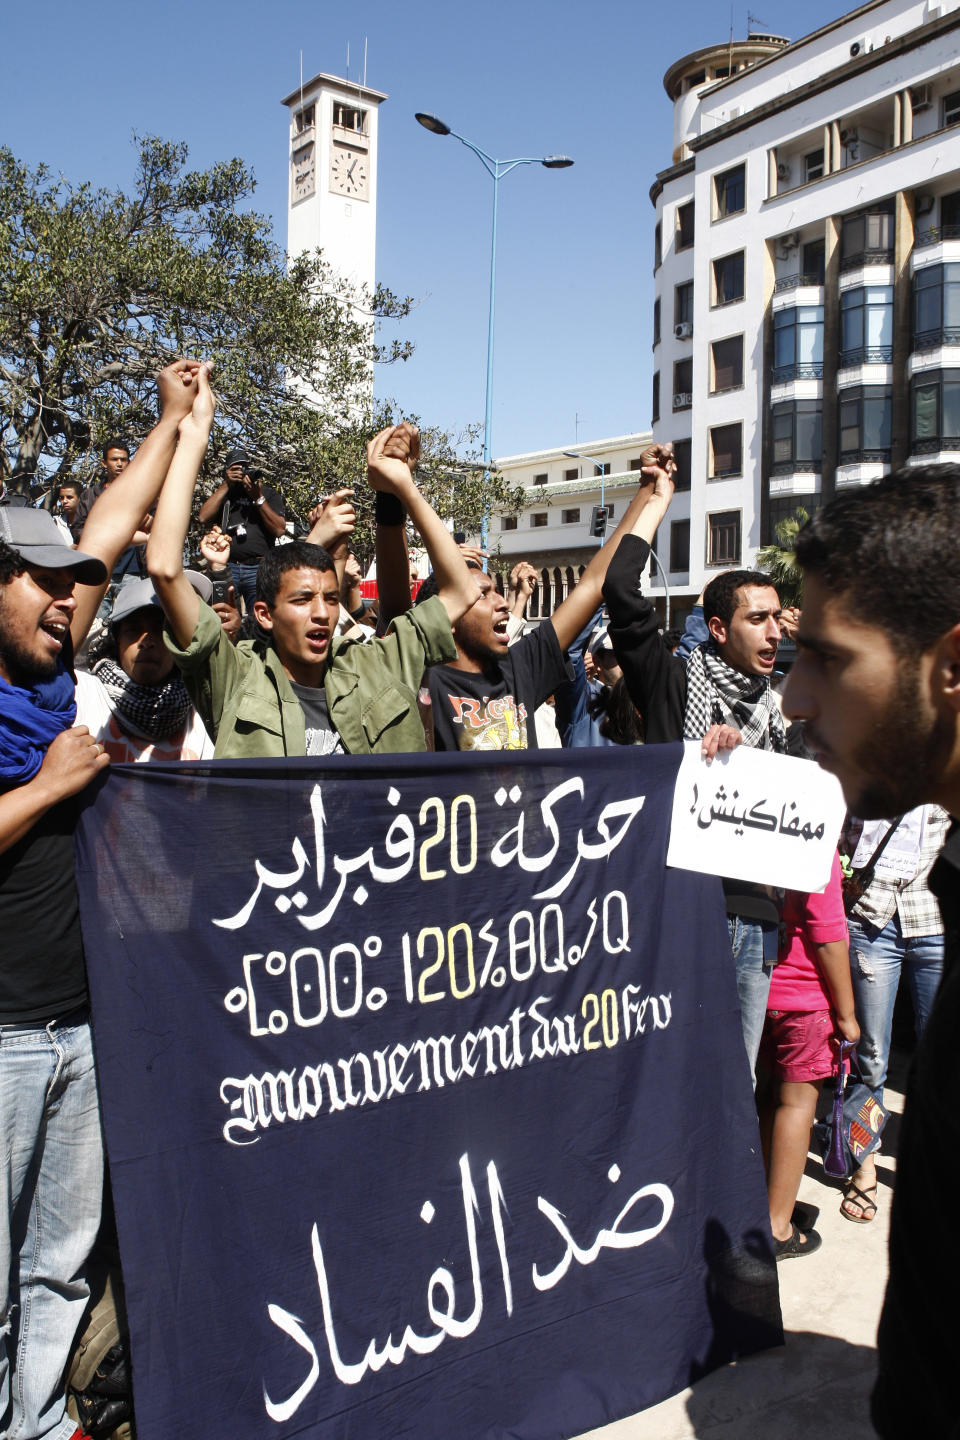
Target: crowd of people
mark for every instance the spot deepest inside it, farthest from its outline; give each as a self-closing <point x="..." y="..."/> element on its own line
<point x="269" y="649"/>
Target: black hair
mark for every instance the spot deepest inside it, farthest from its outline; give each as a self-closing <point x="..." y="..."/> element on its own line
<point x="70" y="485"/>
<point x="298" y="555"/>
<point x="620" y="723"/>
<point x="12" y="563"/>
<point x="890" y="548"/>
<point x="429" y="587"/>
<point x="115" y="445"/>
<point x="720" y="596"/>
<point x="672" y="638"/>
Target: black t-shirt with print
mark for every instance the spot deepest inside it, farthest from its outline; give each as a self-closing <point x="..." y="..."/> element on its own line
<point x="242" y="519"/>
<point x="494" y="710"/>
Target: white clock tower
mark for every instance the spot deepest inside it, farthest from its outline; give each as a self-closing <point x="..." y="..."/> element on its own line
<point x="333" y="175"/>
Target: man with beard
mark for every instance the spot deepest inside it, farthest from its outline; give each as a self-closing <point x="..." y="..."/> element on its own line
<point x="877" y="684"/>
<point x="720" y="696"/>
<point x="51" y="1157"/>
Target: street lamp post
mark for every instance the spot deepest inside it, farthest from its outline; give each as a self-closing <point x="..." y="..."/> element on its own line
<point x="496" y="169"/>
<point x="578" y="455"/>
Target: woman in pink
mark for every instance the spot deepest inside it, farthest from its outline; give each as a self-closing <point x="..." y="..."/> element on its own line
<point x="810" y="1010"/>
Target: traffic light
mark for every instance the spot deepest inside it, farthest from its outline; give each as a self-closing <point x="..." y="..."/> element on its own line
<point x="598" y="522"/>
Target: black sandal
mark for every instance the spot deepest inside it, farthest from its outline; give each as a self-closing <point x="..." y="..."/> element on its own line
<point x="851" y="1193"/>
<point x="797" y="1243"/>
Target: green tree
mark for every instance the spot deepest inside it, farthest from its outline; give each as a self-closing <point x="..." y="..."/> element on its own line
<point x="779" y="559"/>
<point x="99" y="289"/>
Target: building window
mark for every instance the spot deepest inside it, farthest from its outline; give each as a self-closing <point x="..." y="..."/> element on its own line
<point x="685" y="219"/>
<point x="814" y="262"/>
<point x="655" y="406"/>
<point x="306" y="118"/>
<point x="571" y="474"/>
<point x="538" y="519"/>
<point x="570" y="517"/>
<point x="723" y="538"/>
<point x="726" y="363"/>
<point x="865" y="423"/>
<point x="604" y="467"/>
<point x="813" y="165"/>
<point x="726" y="451"/>
<point x="682" y="453"/>
<point x="680" y="546"/>
<point x="784" y="507"/>
<point x="797" y="443"/>
<point x="692" y="81"/>
<point x="683" y="304"/>
<point x="866" y="325"/>
<point x="348" y="117"/>
<point x="508" y="522"/>
<point x="730" y="191"/>
<point x="951" y="108"/>
<point x="935" y="412"/>
<point x="867" y="238"/>
<point x="936" y="306"/>
<point x="636" y="463"/>
<point x="728" y="279"/>
<point x="657" y="246"/>
<point x="541" y="479"/>
<point x="798" y="343"/>
<point x="950" y="216"/>
<point x="656" y="321"/>
<point x="683" y="384"/>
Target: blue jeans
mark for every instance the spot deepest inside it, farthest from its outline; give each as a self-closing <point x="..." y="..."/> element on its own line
<point x="50" y="1190"/>
<point x="245" y="580"/>
<point x="753" y="945"/>
<point x="876" y="959"/>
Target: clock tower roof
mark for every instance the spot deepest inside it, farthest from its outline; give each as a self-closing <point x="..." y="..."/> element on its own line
<point x="329" y="82"/>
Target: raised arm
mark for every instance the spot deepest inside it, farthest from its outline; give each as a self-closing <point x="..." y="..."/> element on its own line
<point x="118" y="513"/>
<point x="643" y="514"/>
<point x="391" y="475"/>
<point x="168" y="533"/>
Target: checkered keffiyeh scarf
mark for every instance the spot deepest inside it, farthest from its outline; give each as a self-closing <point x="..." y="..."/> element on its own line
<point x="153" y="712"/>
<point x="719" y="695"/>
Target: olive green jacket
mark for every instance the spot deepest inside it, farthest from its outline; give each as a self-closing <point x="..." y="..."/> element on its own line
<point x="250" y="709"/>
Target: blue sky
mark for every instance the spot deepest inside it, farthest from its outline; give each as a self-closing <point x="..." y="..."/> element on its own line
<point x="574" y="276"/>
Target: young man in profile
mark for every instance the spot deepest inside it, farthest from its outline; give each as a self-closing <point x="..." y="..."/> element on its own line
<point x="305" y="691"/>
<point x="877" y="685"/>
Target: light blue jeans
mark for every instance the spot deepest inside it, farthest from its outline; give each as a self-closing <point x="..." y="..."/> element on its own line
<point x="754" y="949"/>
<point x="51" y="1186"/>
<point x="876" y="960"/>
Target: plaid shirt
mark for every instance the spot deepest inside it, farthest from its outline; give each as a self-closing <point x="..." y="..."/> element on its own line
<point x="917" y="908"/>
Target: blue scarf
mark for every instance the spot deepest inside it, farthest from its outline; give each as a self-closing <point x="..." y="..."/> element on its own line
<point x="30" y="719"/>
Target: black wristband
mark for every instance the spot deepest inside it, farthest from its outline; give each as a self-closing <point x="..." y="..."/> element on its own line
<point x="359" y="613"/>
<point x="388" y="509"/>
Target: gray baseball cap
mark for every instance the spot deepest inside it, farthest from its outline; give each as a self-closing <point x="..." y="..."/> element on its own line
<point x="141" y="595"/>
<point x="37" y="537"/>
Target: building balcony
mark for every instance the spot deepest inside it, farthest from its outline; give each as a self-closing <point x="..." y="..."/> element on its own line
<point x="933" y="339"/>
<point x="800" y="281"/>
<point x="935" y="235"/>
<point x="866" y="355"/>
<point x="935" y="445"/>
<point x="870" y="255"/>
<point x="783" y="374"/>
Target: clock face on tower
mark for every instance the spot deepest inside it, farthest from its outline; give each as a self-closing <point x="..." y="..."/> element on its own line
<point x="349" y="172"/>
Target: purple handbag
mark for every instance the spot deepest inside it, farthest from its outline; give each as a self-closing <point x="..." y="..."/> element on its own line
<point x="835" y="1151"/>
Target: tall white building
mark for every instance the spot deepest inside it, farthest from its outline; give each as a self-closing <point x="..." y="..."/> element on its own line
<point x="807" y="272"/>
<point x="333" y="178"/>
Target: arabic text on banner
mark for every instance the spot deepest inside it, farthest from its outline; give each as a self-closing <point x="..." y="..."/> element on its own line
<point x="425" y="1096"/>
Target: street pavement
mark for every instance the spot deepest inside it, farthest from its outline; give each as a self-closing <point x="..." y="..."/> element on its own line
<point x="819" y="1383"/>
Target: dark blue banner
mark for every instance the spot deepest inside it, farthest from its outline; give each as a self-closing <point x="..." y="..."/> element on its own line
<point x="425" y="1097"/>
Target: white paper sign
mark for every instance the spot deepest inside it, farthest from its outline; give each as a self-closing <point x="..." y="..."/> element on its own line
<point x="755" y="815"/>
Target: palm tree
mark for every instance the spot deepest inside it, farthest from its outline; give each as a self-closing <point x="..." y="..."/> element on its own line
<point x="779" y="559"/>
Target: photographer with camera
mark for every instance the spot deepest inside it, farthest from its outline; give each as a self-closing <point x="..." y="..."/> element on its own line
<point x="251" y="513"/>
